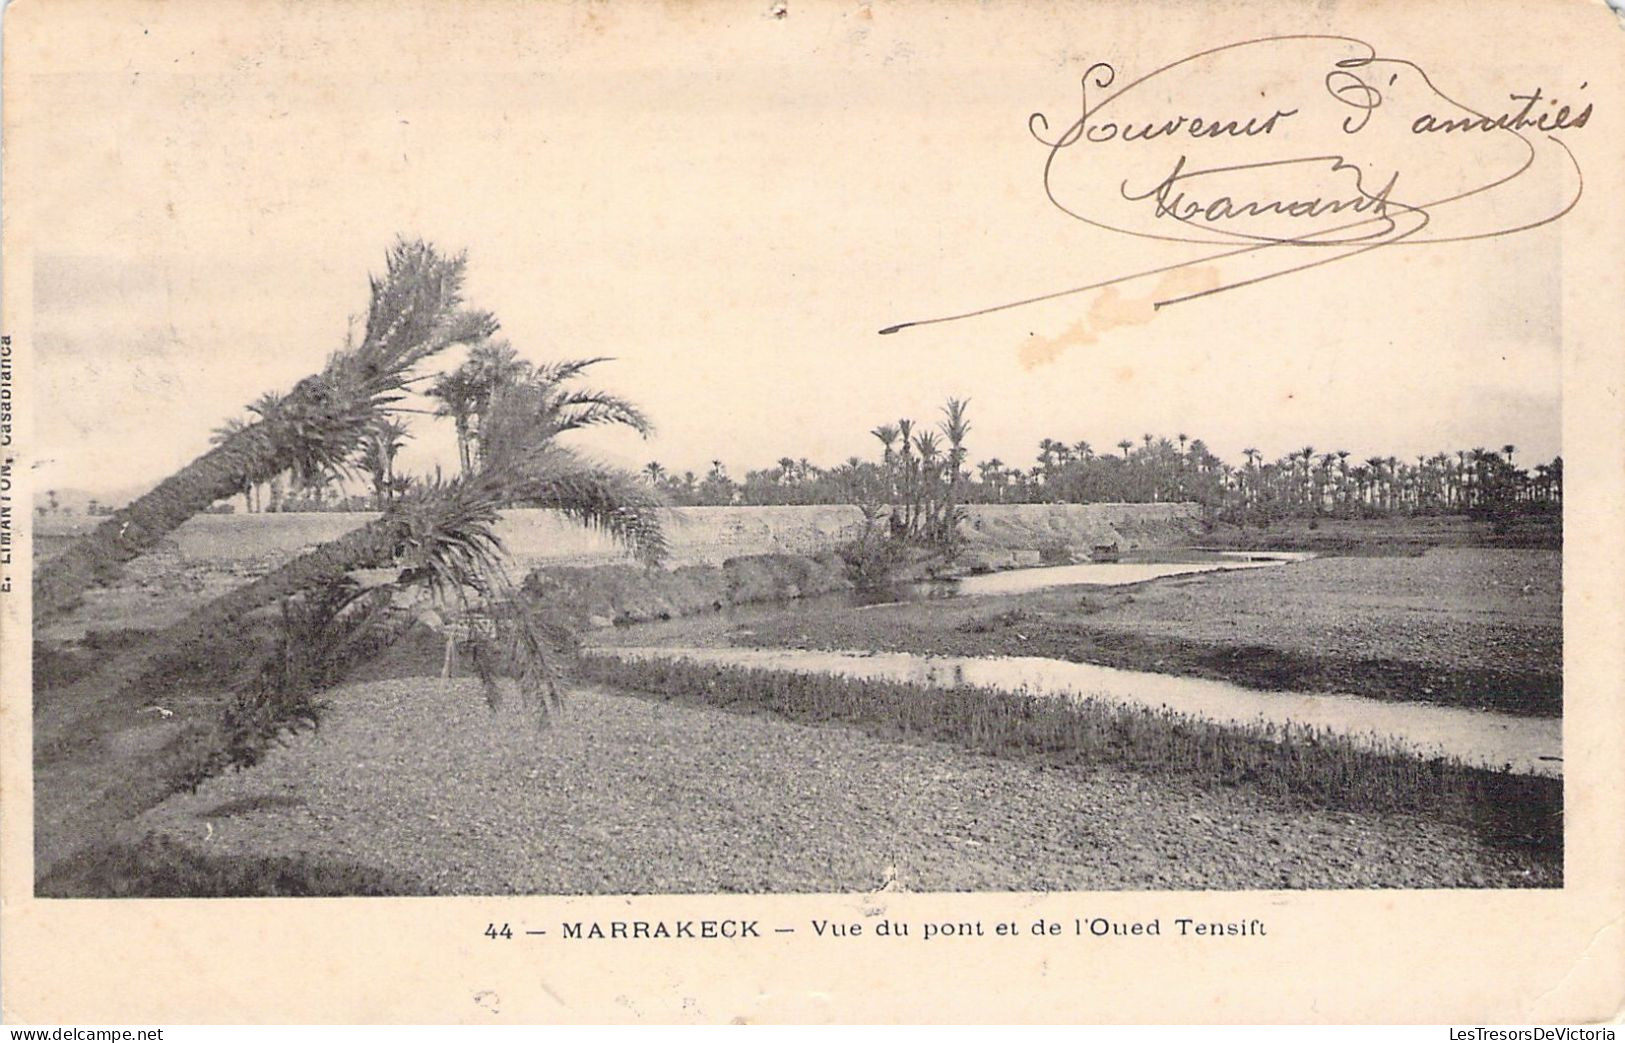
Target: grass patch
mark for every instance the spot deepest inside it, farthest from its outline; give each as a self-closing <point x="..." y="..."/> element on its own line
<point x="1460" y="627"/>
<point x="1525" y="693"/>
<point x="61" y="663"/>
<point x="1297" y="766"/>
<point x="1405" y="536"/>
<point x="159" y="867"/>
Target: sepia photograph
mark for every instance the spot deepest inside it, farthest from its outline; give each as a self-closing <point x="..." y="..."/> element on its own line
<point x="805" y="449"/>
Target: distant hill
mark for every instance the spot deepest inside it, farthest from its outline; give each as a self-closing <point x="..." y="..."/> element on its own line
<point x="78" y="501"/>
<point x="72" y="511"/>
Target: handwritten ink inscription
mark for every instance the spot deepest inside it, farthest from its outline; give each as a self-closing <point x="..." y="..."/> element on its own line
<point x="1306" y="150"/>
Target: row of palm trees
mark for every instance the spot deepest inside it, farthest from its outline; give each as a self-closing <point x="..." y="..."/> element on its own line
<point x="919" y="485"/>
<point x="1299" y="483"/>
<point x="1148" y="470"/>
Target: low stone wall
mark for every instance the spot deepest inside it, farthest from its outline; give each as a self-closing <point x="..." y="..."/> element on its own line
<point x="598" y="595"/>
<point x="998" y="536"/>
<point x="707" y="535"/>
<point x="211" y="554"/>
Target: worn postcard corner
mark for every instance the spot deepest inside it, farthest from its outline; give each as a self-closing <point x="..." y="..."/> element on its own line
<point x="812" y="511"/>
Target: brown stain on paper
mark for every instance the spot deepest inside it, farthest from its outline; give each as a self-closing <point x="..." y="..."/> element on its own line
<point x="1112" y="309"/>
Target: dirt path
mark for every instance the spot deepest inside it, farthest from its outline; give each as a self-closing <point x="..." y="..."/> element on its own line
<point x="625" y="795"/>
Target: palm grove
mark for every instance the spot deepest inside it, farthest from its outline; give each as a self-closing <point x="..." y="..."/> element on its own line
<point x="923" y="473"/>
<point x="1148" y="469"/>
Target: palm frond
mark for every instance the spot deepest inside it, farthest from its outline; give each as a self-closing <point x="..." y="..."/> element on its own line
<point x="415" y="312"/>
<point x="551" y="374"/>
<point x="521" y="465"/>
<point x="594" y="495"/>
<point x="588" y="408"/>
<point x="226" y="431"/>
<point x="265" y="404"/>
<point x="445" y="536"/>
<point x="512" y="639"/>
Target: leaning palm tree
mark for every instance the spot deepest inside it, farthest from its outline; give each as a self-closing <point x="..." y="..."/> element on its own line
<point x="224" y="433"/>
<point x="415" y="312"/>
<point x="441" y="535"/>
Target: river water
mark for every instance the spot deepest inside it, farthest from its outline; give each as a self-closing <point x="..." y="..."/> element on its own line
<point x="1526" y="745"/>
<point x="1135" y="568"/>
<point x="1115" y="573"/>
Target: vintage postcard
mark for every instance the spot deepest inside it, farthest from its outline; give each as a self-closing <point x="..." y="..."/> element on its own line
<point x="815" y="510"/>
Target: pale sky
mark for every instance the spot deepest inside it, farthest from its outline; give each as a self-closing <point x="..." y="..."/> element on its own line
<point x="732" y="215"/>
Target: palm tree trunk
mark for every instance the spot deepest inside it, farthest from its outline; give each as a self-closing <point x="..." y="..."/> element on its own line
<point x="370" y="546"/>
<point x="415" y="311"/>
<point x="135" y="529"/>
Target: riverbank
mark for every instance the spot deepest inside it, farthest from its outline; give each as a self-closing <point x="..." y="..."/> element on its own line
<point x="102" y="756"/>
<point x="1401" y="535"/>
<point x="596" y="596"/>
<point x="1468" y="627"/>
<point x="212" y="554"/>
